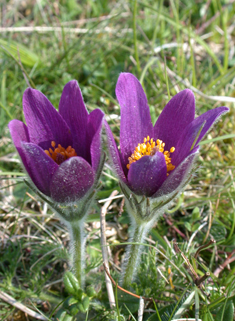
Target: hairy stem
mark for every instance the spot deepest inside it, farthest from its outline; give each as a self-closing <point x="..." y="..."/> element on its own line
<point x="133" y="254"/>
<point x="78" y="251"/>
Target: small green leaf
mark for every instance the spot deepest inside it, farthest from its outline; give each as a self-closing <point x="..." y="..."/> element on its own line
<point x="85" y="303"/>
<point x="90" y="291"/>
<point x="195" y="214"/>
<point x="188" y="226"/>
<point x="74" y="309"/>
<point x="195" y="227"/>
<point x="69" y="302"/>
<point x="62" y="315"/>
<point x="81" y="308"/>
<point x="68" y="317"/>
<point x="79" y="295"/>
<point x="71" y="283"/>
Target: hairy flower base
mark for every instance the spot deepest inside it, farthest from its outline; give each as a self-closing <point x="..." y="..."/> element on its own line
<point x="149" y="148"/>
<point x="144" y="212"/>
<point x="70" y="212"/>
<point x="146" y="209"/>
<point x="60" y="154"/>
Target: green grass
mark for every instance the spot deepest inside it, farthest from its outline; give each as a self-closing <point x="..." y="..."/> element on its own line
<point x="169" y="46"/>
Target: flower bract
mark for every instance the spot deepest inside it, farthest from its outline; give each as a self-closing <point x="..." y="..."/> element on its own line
<point x="60" y="150"/>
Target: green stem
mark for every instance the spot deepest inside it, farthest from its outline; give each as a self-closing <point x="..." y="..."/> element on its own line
<point x="78" y="251"/>
<point x="133" y="254"/>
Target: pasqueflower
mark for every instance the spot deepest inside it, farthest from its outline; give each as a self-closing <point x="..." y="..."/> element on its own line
<point x="154" y="162"/>
<point x="60" y="150"/>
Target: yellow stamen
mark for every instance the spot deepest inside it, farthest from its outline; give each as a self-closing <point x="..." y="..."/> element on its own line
<point x="149" y="148"/>
<point x="60" y="154"/>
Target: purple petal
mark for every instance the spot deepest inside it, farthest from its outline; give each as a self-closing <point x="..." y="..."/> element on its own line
<point x="19" y="133"/>
<point x="114" y="153"/>
<point x="94" y="131"/>
<point x="74" y="112"/>
<point x="72" y="180"/>
<point x="178" y="177"/>
<point x="39" y="166"/>
<point x="192" y="130"/>
<point x="43" y="121"/>
<point x="176" y="115"/>
<point x="211" y="116"/>
<point x="147" y="174"/>
<point x="135" y="116"/>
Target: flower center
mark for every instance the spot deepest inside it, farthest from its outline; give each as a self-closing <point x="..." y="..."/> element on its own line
<point x="60" y="154"/>
<point x="149" y="148"/>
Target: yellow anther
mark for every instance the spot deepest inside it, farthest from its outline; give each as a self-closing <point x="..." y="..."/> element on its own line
<point x="46" y="151"/>
<point x="149" y="148"/>
<point x="60" y="154"/>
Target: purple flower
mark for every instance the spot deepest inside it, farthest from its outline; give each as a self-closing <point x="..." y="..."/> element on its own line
<point x="61" y="151"/>
<point x="155" y="161"/>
